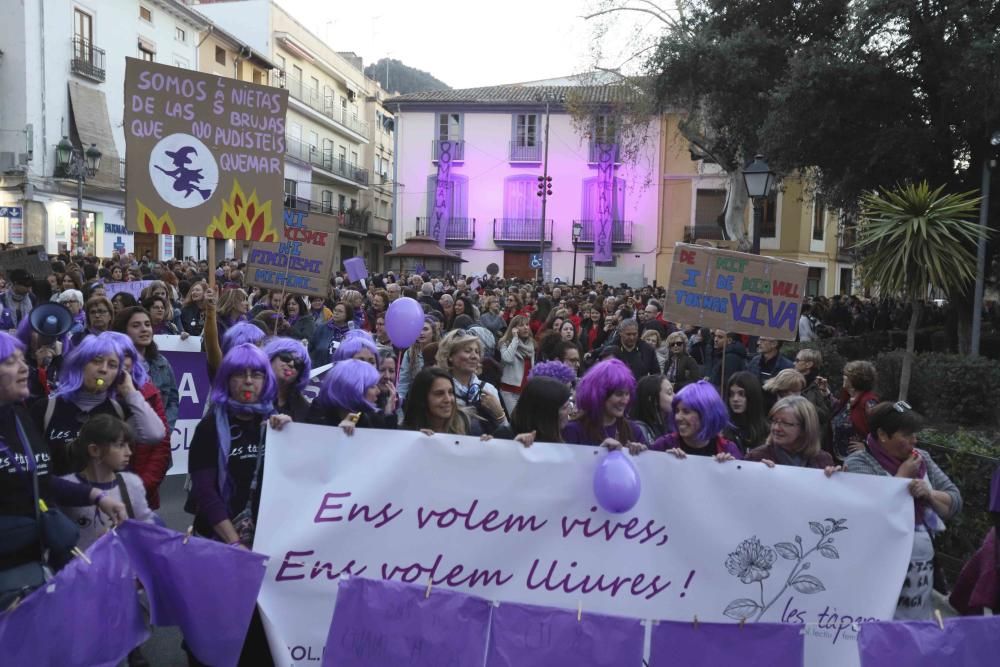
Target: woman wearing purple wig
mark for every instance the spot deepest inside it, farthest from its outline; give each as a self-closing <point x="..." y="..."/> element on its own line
<point x="24" y="454"/>
<point x="603" y="398"/>
<point x="699" y="417"/>
<point x="348" y="396"/>
<point x="92" y="382"/>
<point x="291" y="367"/>
<point x="223" y="459"/>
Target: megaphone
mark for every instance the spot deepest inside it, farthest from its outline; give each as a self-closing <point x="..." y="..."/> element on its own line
<point x="51" y="320"/>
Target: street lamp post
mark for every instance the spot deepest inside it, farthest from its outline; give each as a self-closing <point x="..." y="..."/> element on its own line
<point x="984" y="220"/>
<point x="544" y="190"/>
<point x="577" y="230"/>
<point x="758" y="178"/>
<point x="78" y="164"/>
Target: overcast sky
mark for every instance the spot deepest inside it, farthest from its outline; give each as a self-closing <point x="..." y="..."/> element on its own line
<point x="477" y="43"/>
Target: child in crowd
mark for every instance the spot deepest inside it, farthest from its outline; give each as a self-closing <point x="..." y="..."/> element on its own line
<point x="101" y="453"/>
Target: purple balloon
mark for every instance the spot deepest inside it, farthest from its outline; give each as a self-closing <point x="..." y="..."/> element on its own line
<point x="616" y="483"/>
<point x="403" y="321"/>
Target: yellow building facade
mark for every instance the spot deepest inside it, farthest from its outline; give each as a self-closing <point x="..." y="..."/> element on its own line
<point x="797" y="225"/>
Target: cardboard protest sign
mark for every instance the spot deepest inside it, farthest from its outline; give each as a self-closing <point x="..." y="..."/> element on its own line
<point x="300" y="264"/>
<point x="32" y="259"/>
<point x="133" y="287"/>
<point x="205" y="154"/>
<point x="735" y="291"/>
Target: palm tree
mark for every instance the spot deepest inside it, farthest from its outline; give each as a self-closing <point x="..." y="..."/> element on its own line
<point x="912" y="238"/>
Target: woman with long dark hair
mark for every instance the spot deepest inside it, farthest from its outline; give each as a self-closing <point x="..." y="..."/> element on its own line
<point x="297" y="316"/>
<point x="542" y="413"/>
<point x="653" y="406"/>
<point x="432" y="408"/>
<point x="136" y="323"/>
<point x="747" y="424"/>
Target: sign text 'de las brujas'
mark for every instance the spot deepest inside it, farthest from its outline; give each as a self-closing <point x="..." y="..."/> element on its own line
<point x="205" y="154"/>
<point x="735" y="291"/>
<point x="300" y="264"/>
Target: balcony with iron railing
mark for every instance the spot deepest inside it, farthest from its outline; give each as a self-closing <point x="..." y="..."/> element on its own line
<point x="325" y="160"/>
<point x="356" y="220"/>
<point x="594" y="156"/>
<point x="461" y="231"/>
<point x="457" y="150"/>
<point x="621" y="233"/>
<point x="847" y="238"/>
<point x="322" y="103"/>
<point x="87" y="59"/>
<point x="519" y="152"/>
<point x="520" y="232"/>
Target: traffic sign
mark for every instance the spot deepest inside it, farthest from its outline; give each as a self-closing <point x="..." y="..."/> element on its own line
<point x="536" y="261"/>
<point x="10" y="211"/>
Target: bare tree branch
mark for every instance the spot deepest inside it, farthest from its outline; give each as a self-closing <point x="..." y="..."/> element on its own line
<point x="665" y="19"/>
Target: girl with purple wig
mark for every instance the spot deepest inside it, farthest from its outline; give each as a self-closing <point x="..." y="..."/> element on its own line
<point x="603" y="398"/>
<point x="348" y="398"/>
<point x="291" y="367"/>
<point x="699" y="418"/>
<point x="357" y="344"/>
<point x="92" y="382"/>
<point x="240" y="333"/>
<point x="223" y="459"/>
<point x="24" y="453"/>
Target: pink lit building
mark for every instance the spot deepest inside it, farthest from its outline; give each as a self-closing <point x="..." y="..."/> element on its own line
<point x="497" y="152"/>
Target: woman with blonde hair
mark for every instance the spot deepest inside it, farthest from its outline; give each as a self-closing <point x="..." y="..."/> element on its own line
<point x="795" y="437"/>
<point x="193" y="308"/>
<point x="232" y="308"/>
<point x="517" y="352"/>
<point x="680" y="367"/>
<point x="460" y="354"/>
<point x="788" y="382"/>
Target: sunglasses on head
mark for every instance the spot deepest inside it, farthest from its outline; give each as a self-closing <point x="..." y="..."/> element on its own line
<point x="901" y="406"/>
<point x="291" y="360"/>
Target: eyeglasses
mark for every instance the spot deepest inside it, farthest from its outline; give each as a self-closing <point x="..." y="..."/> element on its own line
<point x="677" y="344"/>
<point x="778" y="422"/>
<point x="901" y="406"/>
<point x="256" y="376"/>
<point x="290" y="359"/>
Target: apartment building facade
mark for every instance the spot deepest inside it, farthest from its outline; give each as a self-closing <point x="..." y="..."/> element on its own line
<point x="335" y="130"/>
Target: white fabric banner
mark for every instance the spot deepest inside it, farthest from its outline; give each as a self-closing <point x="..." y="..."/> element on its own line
<point x="722" y="541"/>
<point x="191" y="373"/>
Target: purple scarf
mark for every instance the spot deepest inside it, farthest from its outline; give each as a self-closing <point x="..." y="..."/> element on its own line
<point x="891" y="465"/>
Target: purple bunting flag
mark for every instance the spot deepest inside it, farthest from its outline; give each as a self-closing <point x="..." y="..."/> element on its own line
<point x="356" y="269"/>
<point x="965" y="641"/>
<point x="604" y="231"/>
<point x="529" y="636"/>
<point x="206" y="588"/>
<point x="388" y="624"/>
<point x="442" y="194"/>
<point x="88" y="615"/>
<point x="714" y="644"/>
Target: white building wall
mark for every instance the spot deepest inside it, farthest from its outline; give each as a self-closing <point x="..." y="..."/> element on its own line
<point x="487" y="136"/>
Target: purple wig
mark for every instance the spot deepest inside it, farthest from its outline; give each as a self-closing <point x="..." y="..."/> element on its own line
<point x="9" y="344"/>
<point x="275" y="346"/>
<point x="703" y="398"/>
<point x="240" y="333"/>
<point x="554" y="369"/>
<point x="345" y="385"/>
<point x="604" y="379"/>
<point x="355" y="341"/>
<point x="240" y="359"/>
<point x="127" y="349"/>
<point x="71" y="374"/>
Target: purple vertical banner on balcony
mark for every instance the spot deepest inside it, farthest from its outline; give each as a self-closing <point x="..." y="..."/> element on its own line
<point x="442" y="194"/>
<point x="605" y="202"/>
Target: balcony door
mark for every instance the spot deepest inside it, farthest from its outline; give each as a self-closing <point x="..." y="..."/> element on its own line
<point x="83" y="32"/>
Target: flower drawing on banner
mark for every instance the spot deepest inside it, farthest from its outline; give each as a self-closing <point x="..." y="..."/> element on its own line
<point x="752" y="562"/>
<point x="147" y="221"/>
<point x="242" y="218"/>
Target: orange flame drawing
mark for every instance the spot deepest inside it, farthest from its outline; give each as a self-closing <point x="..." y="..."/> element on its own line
<point x="147" y="221"/>
<point x="243" y="219"/>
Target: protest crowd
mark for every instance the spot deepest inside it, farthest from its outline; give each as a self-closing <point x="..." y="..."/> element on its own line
<point x="87" y="415"/>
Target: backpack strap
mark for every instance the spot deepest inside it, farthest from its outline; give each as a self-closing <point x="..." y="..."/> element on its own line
<point x="123" y="492"/>
<point x="118" y="409"/>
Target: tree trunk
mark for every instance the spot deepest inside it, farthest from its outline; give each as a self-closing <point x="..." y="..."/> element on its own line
<point x="911" y="344"/>
<point x="736" y="221"/>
